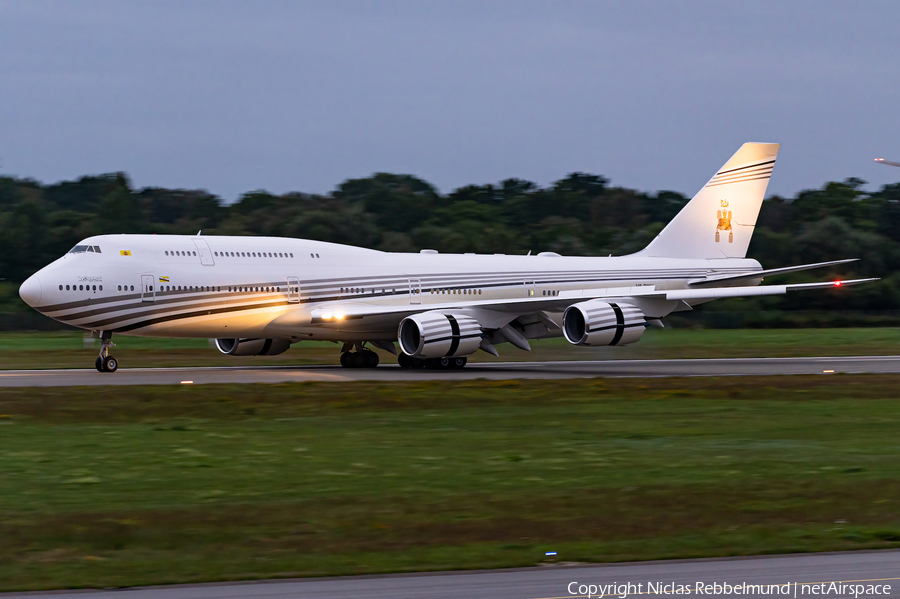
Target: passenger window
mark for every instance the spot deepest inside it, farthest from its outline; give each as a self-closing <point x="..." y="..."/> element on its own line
<point x="292" y="255"/>
<point x="317" y="255"/>
<point x="67" y="287"/>
<point x="101" y="287"/>
<point x="132" y="287"/>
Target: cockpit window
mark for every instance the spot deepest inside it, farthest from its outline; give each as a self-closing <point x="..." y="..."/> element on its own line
<point x="80" y="249"/>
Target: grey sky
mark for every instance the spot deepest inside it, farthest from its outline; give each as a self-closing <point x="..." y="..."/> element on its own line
<point x="236" y="96"/>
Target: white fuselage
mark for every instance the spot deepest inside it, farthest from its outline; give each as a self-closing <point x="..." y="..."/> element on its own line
<point x="227" y="287"/>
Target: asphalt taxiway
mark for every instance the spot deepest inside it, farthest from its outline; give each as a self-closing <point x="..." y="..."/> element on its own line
<point x="792" y="575"/>
<point x="490" y="371"/>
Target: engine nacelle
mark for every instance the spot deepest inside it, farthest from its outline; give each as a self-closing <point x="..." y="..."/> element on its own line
<point x="596" y="322"/>
<point x="253" y="347"/>
<point x="438" y="335"/>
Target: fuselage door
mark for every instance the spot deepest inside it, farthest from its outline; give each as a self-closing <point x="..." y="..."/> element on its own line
<point x="293" y="284"/>
<point x="206" y="257"/>
<point x="415" y="291"/>
<point x="148" y="293"/>
<point x="529" y="288"/>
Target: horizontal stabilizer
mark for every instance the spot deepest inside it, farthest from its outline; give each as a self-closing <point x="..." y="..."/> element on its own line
<point x="758" y="274"/>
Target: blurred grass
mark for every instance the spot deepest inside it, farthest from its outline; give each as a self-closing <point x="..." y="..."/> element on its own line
<point x="188" y="484"/>
<point x="67" y="349"/>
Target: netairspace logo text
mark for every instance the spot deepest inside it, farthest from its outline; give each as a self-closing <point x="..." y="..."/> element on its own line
<point x="790" y="589"/>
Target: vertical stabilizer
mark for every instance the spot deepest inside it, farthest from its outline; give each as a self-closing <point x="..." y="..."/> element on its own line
<point x="719" y="221"/>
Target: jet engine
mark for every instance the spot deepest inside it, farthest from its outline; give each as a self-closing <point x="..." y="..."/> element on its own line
<point x="438" y="335"/>
<point x="253" y="347"/>
<point x="596" y="322"/>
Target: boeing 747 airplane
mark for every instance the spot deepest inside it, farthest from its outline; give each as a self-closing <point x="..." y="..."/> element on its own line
<point x="260" y="295"/>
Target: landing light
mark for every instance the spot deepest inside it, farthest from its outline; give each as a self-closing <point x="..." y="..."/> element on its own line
<point x="339" y="317"/>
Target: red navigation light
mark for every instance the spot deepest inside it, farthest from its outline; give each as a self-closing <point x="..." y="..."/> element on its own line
<point x="837" y="283"/>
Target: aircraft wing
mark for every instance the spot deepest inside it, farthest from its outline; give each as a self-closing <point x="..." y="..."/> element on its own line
<point x="883" y="161"/>
<point x="338" y="312"/>
<point x="759" y="274"/>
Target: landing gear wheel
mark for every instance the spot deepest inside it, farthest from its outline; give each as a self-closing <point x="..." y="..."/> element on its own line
<point x="345" y="360"/>
<point x="110" y="364"/>
<point x="370" y="359"/>
<point x="404" y="361"/>
<point x="458" y="363"/>
<point x="98" y="364"/>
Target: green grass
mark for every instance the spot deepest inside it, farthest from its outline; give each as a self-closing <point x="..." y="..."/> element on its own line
<point x="188" y="484"/>
<point x="68" y="349"/>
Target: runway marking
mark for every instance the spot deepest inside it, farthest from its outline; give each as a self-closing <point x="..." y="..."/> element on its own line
<point x="745" y="585"/>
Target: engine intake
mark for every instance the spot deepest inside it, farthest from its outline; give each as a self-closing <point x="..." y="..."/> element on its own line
<point x="438" y="335"/>
<point x="596" y="322"/>
<point x="253" y="347"/>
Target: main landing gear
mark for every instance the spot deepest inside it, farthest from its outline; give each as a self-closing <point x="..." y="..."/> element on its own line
<point x="432" y="363"/>
<point x="361" y="358"/>
<point x="105" y="362"/>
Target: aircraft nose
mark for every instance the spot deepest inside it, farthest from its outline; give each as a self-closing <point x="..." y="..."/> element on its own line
<point x="30" y="291"/>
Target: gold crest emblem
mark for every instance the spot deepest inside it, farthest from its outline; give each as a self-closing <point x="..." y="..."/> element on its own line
<point x="724" y="223"/>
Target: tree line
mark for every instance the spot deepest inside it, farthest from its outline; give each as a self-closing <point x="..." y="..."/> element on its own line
<point x="581" y="214"/>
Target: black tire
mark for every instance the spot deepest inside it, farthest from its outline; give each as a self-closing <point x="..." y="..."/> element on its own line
<point x="98" y="364"/>
<point x="445" y="363"/>
<point x="404" y="361"/>
<point x="419" y="363"/>
<point x="458" y="363"/>
<point x="110" y="364"/>
<point x="357" y="360"/>
<point x="345" y="360"/>
<point x="371" y="359"/>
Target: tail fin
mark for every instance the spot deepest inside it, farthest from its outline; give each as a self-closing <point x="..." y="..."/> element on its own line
<point x="719" y="221"/>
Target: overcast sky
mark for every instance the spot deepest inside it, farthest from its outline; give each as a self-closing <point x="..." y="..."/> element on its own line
<point x="237" y="96"/>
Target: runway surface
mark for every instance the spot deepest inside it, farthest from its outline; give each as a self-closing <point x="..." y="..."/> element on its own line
<point x="556" y="582"/>
<point x="492" y="371"/>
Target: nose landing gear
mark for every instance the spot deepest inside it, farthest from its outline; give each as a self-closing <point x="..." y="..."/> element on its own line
<point x="105" y="362"/>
